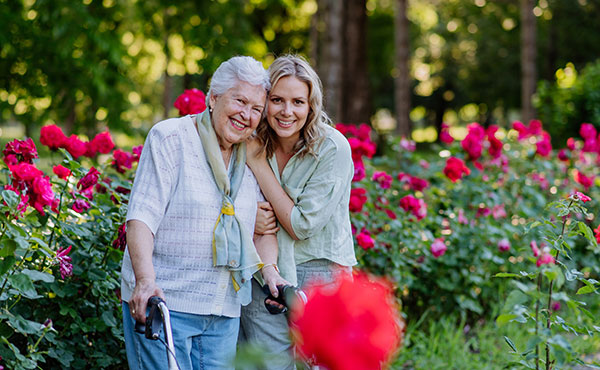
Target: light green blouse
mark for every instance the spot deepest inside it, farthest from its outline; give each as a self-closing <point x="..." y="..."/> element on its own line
<point x="320" y="189"/>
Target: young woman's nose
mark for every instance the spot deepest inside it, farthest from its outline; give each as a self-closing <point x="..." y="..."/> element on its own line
<point x="287" y="109"/>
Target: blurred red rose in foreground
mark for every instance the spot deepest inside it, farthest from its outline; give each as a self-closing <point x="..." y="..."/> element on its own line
<point x="351" y="324"/>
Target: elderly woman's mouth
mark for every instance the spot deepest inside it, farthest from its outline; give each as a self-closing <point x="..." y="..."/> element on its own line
<point x="237" y="124"/>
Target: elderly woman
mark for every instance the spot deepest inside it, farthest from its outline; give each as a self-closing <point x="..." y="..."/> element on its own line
<point x="191" y="213"/>
<point x="304" y="168"/>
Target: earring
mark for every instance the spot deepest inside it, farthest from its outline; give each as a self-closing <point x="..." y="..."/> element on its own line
<point x="210" y="110"/>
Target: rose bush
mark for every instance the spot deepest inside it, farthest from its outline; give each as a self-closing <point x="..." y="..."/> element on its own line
<point x="444" y="238"/>
<point x="61" y="239"/>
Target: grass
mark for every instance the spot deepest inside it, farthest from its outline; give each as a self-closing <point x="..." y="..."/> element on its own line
<point x="449" y="343"/>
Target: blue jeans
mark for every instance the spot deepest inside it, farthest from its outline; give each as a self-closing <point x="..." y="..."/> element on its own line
<point x="202" y="342"/>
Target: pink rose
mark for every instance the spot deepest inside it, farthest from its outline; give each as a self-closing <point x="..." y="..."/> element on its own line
<point x="364" y="240"/>
<point x="359" y="171"/>
<point x="503" y="245"/>
<point x="25" y="172"/>
<point x="41" y="194"/>
<point x="438" y="247"/>
<point x="384" y="180"/>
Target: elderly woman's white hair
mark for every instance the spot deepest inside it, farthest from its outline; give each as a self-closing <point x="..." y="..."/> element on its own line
<point x="236" y="69"/>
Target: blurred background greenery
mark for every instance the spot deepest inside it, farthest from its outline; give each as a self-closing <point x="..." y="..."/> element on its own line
<point x="404" y="66"/>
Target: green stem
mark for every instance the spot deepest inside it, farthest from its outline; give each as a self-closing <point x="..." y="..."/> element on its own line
<point x="537" y="310"/>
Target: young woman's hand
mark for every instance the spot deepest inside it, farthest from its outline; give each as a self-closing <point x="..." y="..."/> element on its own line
<point x="254" y="155"/>
<point x="266" y="223"/>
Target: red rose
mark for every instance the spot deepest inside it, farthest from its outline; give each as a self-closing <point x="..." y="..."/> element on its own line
<point x="80" y="205"/>
<point x="455" y="168"/>
<point x="359" y="171"/>
<point x="103" y="143"/>
<point x="360" y="318"/>
<point x="190" y="102"/>
<point x="417" y="184"/>
<point x="122" y="160"/>
<point x="137" y="152"/>
<point x="358" y="197"/>
<point x="121" y="241"/>
<point x="52" y="136"/>
<point x="89" y="180"/>
<point x="41" y="194"/>
<point x="587" y="131"/>
<point x="61" y="171"/>
<point x="25" y="172"/>
<point x="75" y="146"/>
<point x="20" y="150"/>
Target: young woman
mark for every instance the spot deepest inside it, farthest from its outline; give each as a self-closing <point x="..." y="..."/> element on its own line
<point x="304" y="169"/>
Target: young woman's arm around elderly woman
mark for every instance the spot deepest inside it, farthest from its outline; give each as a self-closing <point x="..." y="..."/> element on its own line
<point x="190" y="219"/>
<point x="304" y="169"/>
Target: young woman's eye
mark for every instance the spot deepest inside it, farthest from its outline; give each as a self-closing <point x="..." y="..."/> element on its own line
<point x="299" y="102"/>
<point x="276" y="100"/>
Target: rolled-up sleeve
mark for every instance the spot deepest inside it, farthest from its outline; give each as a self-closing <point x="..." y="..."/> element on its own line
<point x="154" y="180"/>
<point x="323" y="192"/>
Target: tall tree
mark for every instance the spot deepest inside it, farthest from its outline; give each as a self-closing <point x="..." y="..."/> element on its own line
<point x="528" y="56"/>
<point x="402" y="79"/>
<point x="331" y="61"/>
<point x="341" y="54"/>
<point x="356" y="98"/>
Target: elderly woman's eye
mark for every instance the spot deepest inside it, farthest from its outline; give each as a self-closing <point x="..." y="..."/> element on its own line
<point x="276" y="100"/>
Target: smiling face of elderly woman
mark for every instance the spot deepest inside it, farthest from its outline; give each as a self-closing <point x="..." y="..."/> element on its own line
<point x="237" y="112"/>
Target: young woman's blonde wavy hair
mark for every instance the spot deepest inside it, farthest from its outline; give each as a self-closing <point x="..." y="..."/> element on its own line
<point x="312" y="132"/>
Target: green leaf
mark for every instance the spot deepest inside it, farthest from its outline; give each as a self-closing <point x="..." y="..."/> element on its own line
<point x="11" y="198"/>
<point x="6" y="263"/>
<point x="35" y="275"/>
<point x="506" y="274"/>
<point x="586" y="289"/>
<point x="505" y="318"/>
<point x="8" y="248"/>
<point x="24" y="285"/>
<point x="109" y="319"/>
<point x="510" y="344"/>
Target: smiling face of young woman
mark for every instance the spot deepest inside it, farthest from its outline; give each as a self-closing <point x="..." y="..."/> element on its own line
<point x="237" y="113"/>
<point x="288" y="108"/>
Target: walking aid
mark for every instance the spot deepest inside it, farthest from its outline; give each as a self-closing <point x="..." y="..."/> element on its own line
<point x="159" y="317"/>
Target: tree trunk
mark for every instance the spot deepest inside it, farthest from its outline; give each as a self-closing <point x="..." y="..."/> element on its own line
<point x="402" y="79"/>
<point x="332" y="58"/>
<point x="528" y="56"/>
<point x="356" y="97"/>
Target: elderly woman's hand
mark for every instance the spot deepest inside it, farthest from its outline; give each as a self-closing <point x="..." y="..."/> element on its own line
<point x="266" y="223"/>
<point x="144" y="289"/>
<point x="273" y="279"/>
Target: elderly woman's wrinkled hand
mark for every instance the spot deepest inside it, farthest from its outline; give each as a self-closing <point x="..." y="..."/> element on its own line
<point x="144" y="289"/>
<point x="266" y="222"/>
<point x="273" y="279"/>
